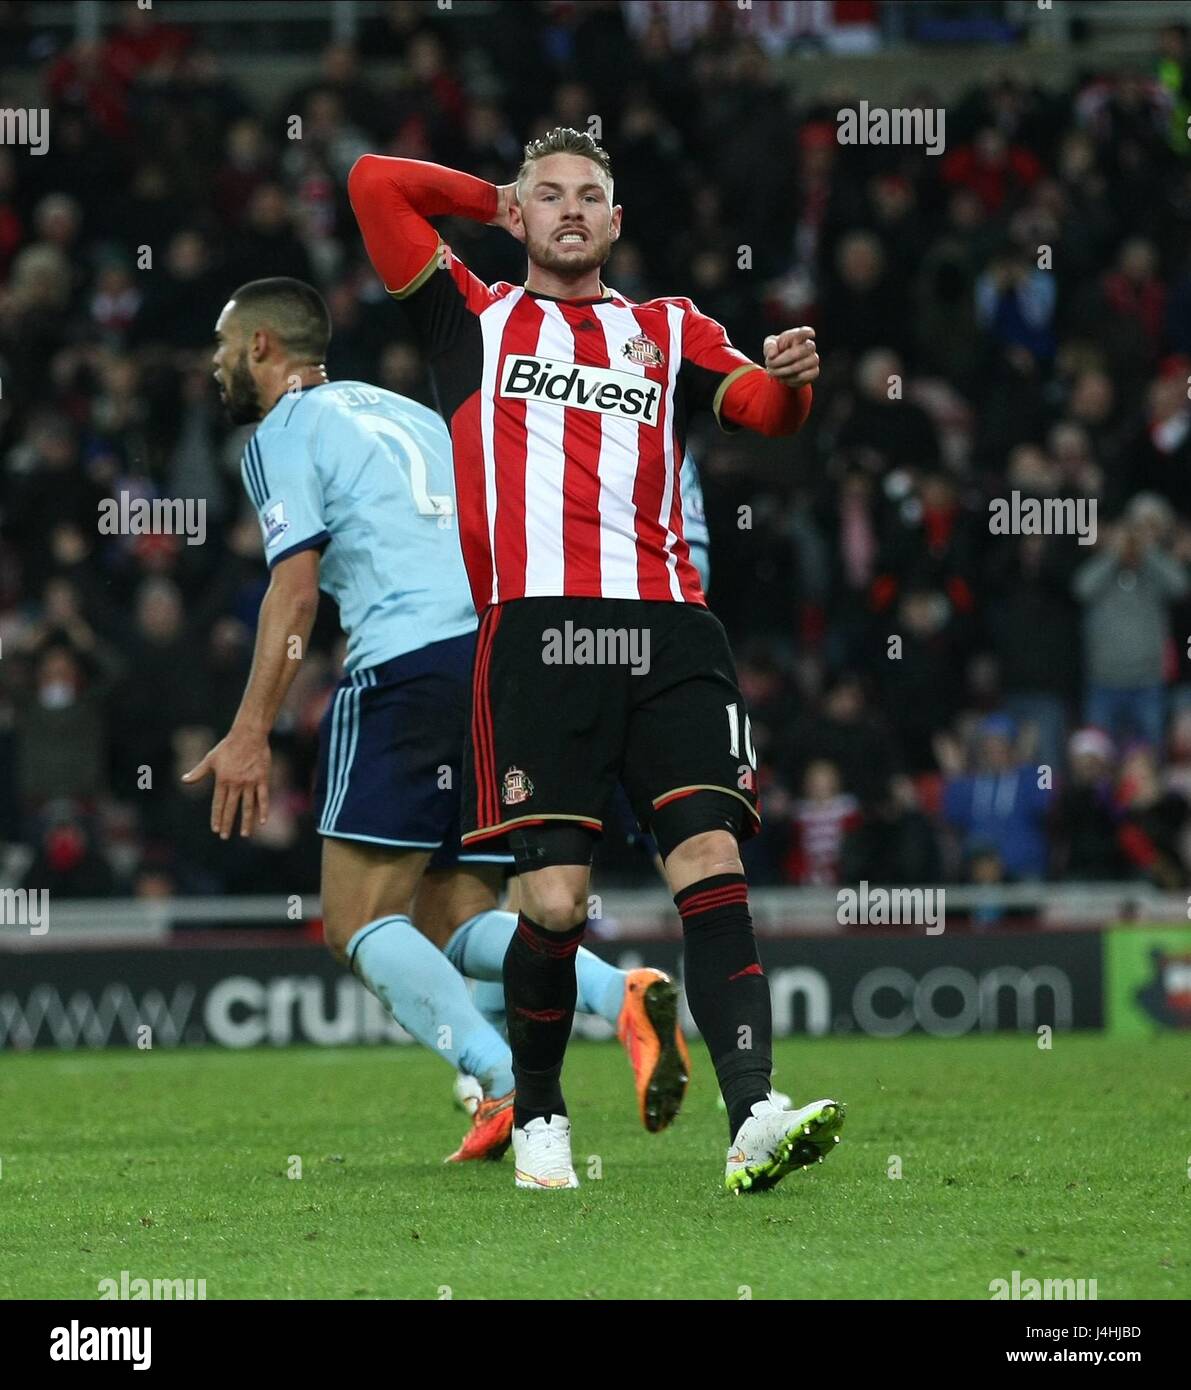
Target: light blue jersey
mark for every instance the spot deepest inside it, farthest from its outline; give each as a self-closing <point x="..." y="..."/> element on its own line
<point x="365" y="475"/>
<point x="694" y="522"/>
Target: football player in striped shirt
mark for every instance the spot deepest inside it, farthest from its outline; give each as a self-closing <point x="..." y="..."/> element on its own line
<point x="353" y="488"/>
<point x="597" y="659"/>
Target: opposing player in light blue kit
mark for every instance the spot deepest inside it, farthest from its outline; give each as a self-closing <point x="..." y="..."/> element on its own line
<point x="353" y="486"/>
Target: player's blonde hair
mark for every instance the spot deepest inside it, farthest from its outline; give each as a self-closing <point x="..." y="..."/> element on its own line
<point x="565" y="140"/>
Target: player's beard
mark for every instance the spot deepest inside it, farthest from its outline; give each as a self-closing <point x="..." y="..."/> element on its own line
<point x="546" y="254"/>
<point x="240" y="399"/>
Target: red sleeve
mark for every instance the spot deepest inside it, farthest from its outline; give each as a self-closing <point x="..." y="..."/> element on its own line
<point x="392" y="198"/>
<point x="737" y="390"/>
<point x="760" y="402"/>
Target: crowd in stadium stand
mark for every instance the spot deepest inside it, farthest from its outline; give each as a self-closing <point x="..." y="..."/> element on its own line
<point x="930" y="701"/>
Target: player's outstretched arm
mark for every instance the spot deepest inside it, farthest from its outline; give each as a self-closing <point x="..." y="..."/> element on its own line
<point x="776" y="401"/>
<point x="392" y="200"/>
<point x="240" y="761"/>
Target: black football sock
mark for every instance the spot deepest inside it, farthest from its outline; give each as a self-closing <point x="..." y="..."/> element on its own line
<point x="727" y="991"/>
<point x="540" y="993"/>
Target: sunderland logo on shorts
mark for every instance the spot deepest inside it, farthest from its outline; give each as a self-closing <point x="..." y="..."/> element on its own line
<point x="599" y="389"/>
<point x="517" y="787"/>
<point x="644" y="351"/>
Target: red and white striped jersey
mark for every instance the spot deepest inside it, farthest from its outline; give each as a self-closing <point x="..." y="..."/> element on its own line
<point x="569" y="444"/>
<point x="568" y="418"/>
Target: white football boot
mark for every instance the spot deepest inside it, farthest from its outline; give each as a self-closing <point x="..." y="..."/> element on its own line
<point x="773" y="1142"/>
<point x="542" y="1154"/>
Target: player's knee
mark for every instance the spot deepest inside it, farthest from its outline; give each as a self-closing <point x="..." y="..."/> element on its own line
<point x="554" y="903"/>
<point x="703" y="856"/>
<point x="554" y="865"/>
<point x="338" y="929"/>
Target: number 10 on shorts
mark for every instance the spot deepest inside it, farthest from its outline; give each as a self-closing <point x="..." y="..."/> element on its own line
<point x="734" y="735"/>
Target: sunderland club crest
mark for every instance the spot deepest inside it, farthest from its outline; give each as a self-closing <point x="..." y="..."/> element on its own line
<point x="644" y="351"/>
<point x="517" y="787"/>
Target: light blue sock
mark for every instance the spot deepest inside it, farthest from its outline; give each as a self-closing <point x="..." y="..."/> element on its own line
<point x="489" y="998"/>
<point x="424" y="992"/>
<point x="477" y="950"/>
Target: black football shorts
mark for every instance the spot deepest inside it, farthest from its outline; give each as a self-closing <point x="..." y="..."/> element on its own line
<point x="571" y="695"/>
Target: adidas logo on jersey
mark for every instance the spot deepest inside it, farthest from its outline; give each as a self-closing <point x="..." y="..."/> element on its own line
<point x="599" y="389"/>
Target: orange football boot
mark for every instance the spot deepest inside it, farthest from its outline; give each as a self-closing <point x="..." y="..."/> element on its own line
<point x="491" y="1131"/>
<point x="648" y="1029"/>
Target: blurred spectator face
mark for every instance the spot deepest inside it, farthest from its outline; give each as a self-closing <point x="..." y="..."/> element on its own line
<point x="572" y="105"/>
<point x="57" y="220"/>
<point x="1180" y="736"/>
<point x="1069" y="445"/>
<point x="1150" y="518"/>
<point x="860" y="260"/>
<point x="1090" y="751"/>
<point x="991" y="146"/>
<point x="245" y="144"/>
<point x="965" y="211"/>
<point x="68" y="545"/>
<point x="150" y="183"/>
<point x="425" y="58"/>
<point x="844" y="703"/>
<point x="986" y="867"/>
<point x="922" y="612"/>
<point x="1092" y="397"/>
<point x="1172" y="43"/>
<point x="937" y="492"/>
<point x="244" y="539"/>
<point x="121" y="376"/>
<point x="400" y="368"/>
<point x="41" y="278"/>
<point x="1165" y="398"/>
<point x="186" y="258"/>
<point x="575" y="198"/>
<point x="229" y="642"/>
<point x="61" y="602"/>
<point x="1138" y="260"/>
<point x="892" y="197"/>
<point x="1139" y="779"/>
<point x="339" y="63"/>
<point x="484" y="123"/>
<point x="1077" y="156"/>
<point x="159" y="611"/>
<point x="58" y="678"/>
<point x="324" y="115"/>
<point x="269" y="210"/>
<point x="875" y="371"/>
<point x="1031" y="471"/>
<point x="822" y="781"/>
<point x="55" y="444"/>
<point x="155" y="884"/>
<point x="707" y="268"/>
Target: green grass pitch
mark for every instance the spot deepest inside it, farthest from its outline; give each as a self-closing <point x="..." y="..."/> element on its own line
<point x="1068" y="1163"/>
